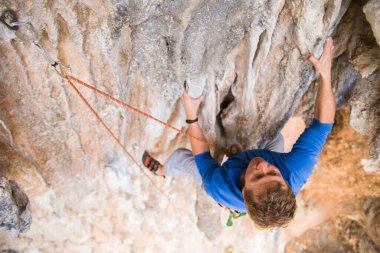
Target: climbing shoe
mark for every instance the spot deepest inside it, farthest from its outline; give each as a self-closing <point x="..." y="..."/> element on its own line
<point x="150" y="163"/>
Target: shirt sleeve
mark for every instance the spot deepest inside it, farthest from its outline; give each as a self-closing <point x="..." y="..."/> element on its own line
<point x="312" y="139"/>
<point x="206" y="165"/>
<point x="304" y="155"/>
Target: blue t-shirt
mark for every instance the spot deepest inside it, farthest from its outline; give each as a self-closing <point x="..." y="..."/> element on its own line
<point x="223" y="184"/>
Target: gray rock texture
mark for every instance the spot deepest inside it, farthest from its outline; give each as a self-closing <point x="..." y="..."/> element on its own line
<point x="248" y="59"/>
<point x="372" y="13"/>
<point x="15" y="216"/>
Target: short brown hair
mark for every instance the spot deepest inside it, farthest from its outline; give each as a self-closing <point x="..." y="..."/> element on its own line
<point x="274" y="207"/>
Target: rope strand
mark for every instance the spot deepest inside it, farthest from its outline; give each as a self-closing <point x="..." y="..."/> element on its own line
<point x="138" y="111"/>
<point x="118" y="141"/>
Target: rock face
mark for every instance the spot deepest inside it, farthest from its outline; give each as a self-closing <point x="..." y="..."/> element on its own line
<point x="14" y="208"/>
<point x="371" y="10"/>
<point x="343" y="235"/>
<point x="371" y="219"/>
<point x="335" y="236"/>
<point x="246" y="57"/>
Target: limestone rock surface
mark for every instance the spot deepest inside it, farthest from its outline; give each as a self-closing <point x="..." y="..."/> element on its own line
<point x="246" y="57"/>
<point x="372" y="12"/>
<point x="15" y="216"/>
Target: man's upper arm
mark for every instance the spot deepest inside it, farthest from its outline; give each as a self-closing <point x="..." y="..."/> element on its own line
<point x="312" y="139"/>
<point x="206" y="165"/>
<point x="304" y="155"/>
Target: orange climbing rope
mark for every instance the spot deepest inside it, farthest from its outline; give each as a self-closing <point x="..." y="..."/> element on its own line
<point x="103" y="123"/>
<point x="116" y="139"/>
<point x="12" y="23"/>
<point x="60" y="68"/>
<point x="69" y="77"/>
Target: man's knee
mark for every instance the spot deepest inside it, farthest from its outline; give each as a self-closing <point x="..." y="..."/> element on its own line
<point x="277" y="144"/>
<point x="178" y="157"/>
<point x="181" y="151"/>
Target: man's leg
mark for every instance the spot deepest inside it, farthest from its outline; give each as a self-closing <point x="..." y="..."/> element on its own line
<point x="276" y="145"/>
<point x="181" y="162"/>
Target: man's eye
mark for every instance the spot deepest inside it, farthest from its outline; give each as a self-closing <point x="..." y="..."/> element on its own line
<point x="273" y="173"/>
<point x="257" y="177"/>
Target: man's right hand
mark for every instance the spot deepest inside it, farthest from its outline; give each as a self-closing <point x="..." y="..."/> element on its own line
<point x="324" y="109"/>
<point x="323" y="65"/>
<point x="191" y="105"/>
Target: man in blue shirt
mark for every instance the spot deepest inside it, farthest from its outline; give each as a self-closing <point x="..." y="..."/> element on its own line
<point x="261" y="182"/>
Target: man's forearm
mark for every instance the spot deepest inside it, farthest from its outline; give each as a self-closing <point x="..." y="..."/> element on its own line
<point x="197" y="146"/>
<point x="325" y="101"/>
<point x="324" y="109"/>
<point x="191" y="107"/>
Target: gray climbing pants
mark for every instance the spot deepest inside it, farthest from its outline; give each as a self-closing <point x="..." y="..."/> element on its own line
<point x="181" y="161"/>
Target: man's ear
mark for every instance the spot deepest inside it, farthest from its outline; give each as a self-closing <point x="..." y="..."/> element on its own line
<point x="243" y="192"/>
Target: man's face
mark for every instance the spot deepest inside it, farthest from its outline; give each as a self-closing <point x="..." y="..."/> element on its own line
<point x="259" y="174"/>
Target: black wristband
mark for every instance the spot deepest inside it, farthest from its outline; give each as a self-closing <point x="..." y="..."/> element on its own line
<point x="190" y="121"/>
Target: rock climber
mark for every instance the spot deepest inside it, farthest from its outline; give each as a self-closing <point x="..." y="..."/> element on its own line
<point x="261" y="182"/>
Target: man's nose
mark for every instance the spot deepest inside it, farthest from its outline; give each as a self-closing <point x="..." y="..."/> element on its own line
<point x="263" y="166"/>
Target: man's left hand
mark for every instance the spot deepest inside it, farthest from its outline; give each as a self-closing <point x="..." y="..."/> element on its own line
<point x="191" y="105"/>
